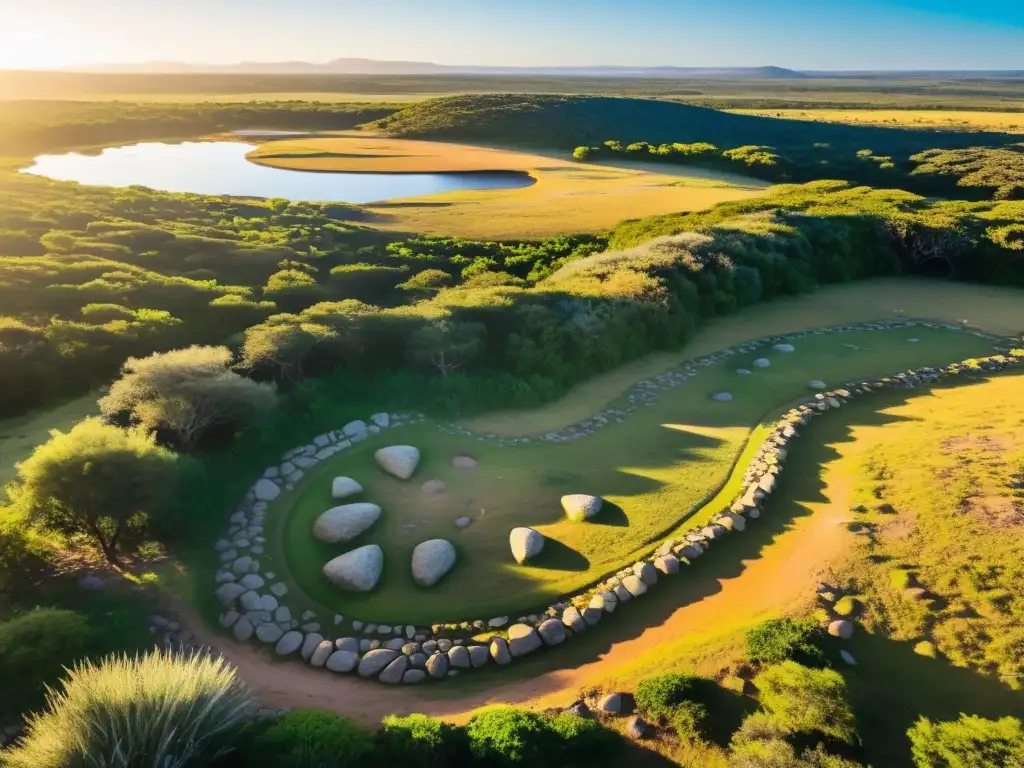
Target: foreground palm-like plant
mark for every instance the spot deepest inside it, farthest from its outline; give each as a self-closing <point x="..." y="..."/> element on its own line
<point x="159" y="710"/>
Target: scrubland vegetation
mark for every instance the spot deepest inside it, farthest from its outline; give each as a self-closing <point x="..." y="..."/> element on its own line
<point x="227" y="330"/>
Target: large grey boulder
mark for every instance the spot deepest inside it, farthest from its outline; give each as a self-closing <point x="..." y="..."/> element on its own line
<point x="344" y="523"/>
<point x="395" y="671"/>
<point x="358" y="570"/>
<point x="437" y="665"/>
<point x="478" y="655"/>
<point x="228" y="593"/>
<point x="610" y="704"/>
<point x="342" y="661"/>
<point x="526" y="543"/>
<point x="343" y="487"/>
<point x="841" y="628"/>
<point x="323" y="652"/>
<point x="310" y="644"/>
<point x="374" y="662"/>
<point x="266" y="490"/>
<point x="458" y="657"/>
<point x="243" y="629"/>
<point x="431" y="560"/>
<point x="398" y="460"/>
<point x="552" y="632"/>
<point x="647" y="573"/>
<point x="522" y="639"/>
<point x="634" y="585"/>
<point x="289" y="643"/>
<point x="579" y="506"/>
<point x="762" y="362"/>
<point x="270" y="633"/>
<point x="573" y="620"/>
<point x="499" y="651"/>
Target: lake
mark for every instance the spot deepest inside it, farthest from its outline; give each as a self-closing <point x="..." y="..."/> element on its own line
<point x="220" y="168"/>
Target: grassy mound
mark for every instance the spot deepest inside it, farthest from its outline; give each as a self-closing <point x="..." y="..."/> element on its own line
<point x="653" y="469"/>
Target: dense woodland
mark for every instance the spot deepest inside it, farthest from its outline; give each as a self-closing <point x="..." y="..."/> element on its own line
<point x="229" y="328"/>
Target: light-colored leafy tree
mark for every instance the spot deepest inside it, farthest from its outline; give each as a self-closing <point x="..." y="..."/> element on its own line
<point x="804" y="700"/>
<point x="186" y="392"/>
<point x="446" y="344"/>
<point x="282" y="346"/>
<point x="97" y="480"/>
<point x="970" y="742"/>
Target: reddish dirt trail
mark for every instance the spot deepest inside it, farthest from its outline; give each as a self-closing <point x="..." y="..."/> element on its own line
<point x="779" y="579"/>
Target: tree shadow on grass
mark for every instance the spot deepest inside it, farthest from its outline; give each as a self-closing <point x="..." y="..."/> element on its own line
<point x="560" y="557"/>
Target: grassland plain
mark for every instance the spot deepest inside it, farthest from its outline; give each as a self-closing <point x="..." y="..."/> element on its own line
<point x="950" y="119"/>
<point x="567" y="197"/>
<point x="654" y="470"/>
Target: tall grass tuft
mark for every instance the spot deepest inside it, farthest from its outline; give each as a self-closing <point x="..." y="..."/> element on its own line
<point x="160" y="710"/>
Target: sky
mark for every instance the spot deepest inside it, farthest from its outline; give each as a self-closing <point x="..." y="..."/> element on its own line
<point x="800" y="34"/>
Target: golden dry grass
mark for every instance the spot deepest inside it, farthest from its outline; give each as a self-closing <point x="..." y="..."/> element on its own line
<point x="1008" y="122"/>
<point x="994" y="309"/>
<point x="567" y="196"/>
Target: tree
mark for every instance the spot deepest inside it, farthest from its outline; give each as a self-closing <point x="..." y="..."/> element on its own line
<point x="970" y="742"/>
<point x="446" y="344"/>
<point x="281" y="347"/>
<point x="582" y="154"/>
<point x="96" y="480"/>
<point x="803" y="700"/>
<point x="186" y="392"/>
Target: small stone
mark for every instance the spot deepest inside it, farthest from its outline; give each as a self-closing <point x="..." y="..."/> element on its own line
<point x="382" y="420"/>
<point x="228" y="593"/>
<point x="647" y="573"/>
<point x="722" y="397"/>
<point x="667" y="564"/>
<point x="478" y="655"/>
<point x="310" y="644"/>
<point x="743" y="372"/>
<point x="395" y="671"/>
<point x="266" y="490"/>
<point x="228" y="618"/>
<point x="433" y="487"/>
<point x="573" y="620"/>
<point x="841" y="628"/>
<point x="638" y="728"/>
<point x="270" y="633"/>
<point x="243" y="629"/>
<point x="463" y="522"/>
<point x="279" y="590"/>
<point x="784" y="348"/>
<point x="343" y="487"/>
<point x="344" y="523"/>
<point x="268" y="603"/>
<point x="591" y="616"/>
<point x="848" y="658"/>
<point x="323" y="652"/>
<point x="458" y="657"/>
<point x="464" y="462"/>
<point x="414" y="676"/>
<point x="610" y="704"/>
<point x="817" y="384"/>
<point x="762" y="362"/>
<point x="526" y="543"/>
<point x="634" y="585"/>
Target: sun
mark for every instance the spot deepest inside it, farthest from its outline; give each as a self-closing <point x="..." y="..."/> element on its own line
<point x="37" y="42"/>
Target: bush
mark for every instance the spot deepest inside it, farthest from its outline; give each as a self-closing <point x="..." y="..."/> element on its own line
<point x="970" y="742"/>
<point x="154" y="710"/>
<point x="584" y="741"/>
<point x="34" y="649"/>
<point x="803" y="700"/>
<point x="687" y="720"/>
<point x="510" y="736"/>
<point x="418" y="741"/>
<point x="307" y="738"/>
<point x="779" y="640"/>
<point x="658" y="697"/>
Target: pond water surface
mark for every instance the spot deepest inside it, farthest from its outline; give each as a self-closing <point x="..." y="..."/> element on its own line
<point x="220" y="168"/>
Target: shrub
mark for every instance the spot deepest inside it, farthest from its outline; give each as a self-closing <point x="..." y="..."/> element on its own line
<point x="418" y="741"/>
<point x="34" y="649"/>
<point x="658" y="697"/>
<point x="155" y="710"/>
<point x="970" y="742"/>
<point x="510" y="736"/>
<point x="779" y="640"/>
<point x="803" y="700"/>
<point x="307" y="738"/>
<point x="581" y="154"/>
<point x="584" y="741"/>
<point x="687" y="720"/>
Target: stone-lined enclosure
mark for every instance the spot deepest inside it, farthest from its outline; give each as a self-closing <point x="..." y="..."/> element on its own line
<point x="409" y="654"/>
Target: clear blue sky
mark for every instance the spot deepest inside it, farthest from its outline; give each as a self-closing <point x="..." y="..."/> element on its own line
<point x="802" y="34"/>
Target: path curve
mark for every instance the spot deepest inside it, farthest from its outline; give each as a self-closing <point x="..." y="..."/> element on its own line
<point x="776" y="581"/>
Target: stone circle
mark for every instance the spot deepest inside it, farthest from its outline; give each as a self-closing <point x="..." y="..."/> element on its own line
<point x="344" y="523"/>
<point x="398" y="460"/>
<point x="431" y="560"/>
<point x="358" y="570"/>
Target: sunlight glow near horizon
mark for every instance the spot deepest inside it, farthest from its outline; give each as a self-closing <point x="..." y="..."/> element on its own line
<point x="802" y="34"/>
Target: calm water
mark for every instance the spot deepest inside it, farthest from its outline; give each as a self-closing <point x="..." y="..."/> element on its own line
<point x="220" y="168"/>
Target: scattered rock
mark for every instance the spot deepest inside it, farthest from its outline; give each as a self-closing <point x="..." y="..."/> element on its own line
<point x="722" y="397"/>
<point x="342" y="661"/>
<point x="610" y="704"/>
<point x="841" y="628"/>
<point x="817" y="384"/>
<point x="848" y="658"/>
<point x="762" y="362"/>
<point x="526" y="543"/>
<point x="270" y="633"/>
<point x="431" y="560"/>
<point x="433" y="487"/>
<point x="91" y="583"/>
<point x="374" y="662"/>
<point x="344" y="523"/>
<point x="638" y="728"/>
<point x="343" y="487"/>
<point x="358" y="570"/>
<point x="289" y="643"/>
<point x="398" y="460"/>
<point x="743" y="372"/>
<point x="464" y="462"/>
<point x="463" y="522"/>
<point x="523" y="639"/>
<point x="382" y="420"/>
<point x="913" y="341"/>
<point x="458" y="657"/>
<point x="552" y="632"/>
<point x="634" y="585"/>
<point x="784" y="348"/>
<point x="266" y="490"/>
<point x="579" y="506"/>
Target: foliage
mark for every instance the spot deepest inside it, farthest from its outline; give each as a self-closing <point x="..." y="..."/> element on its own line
<point x="307" y="738"/>
<point x="186" y="392"/>
<point x="658" y="697"/>
<point x="419" y="741"/>
<point x="35" y="646"/>
<point x="97" y="480"/>
<point x="970" y="742"/>
<point x="446" y="345"/>
<point x="804" y="700"/>
<point x="998" y="170"/>
<point x="581" y="154"/>
<point x="159" y="709"/>
<point x="845" y="606"/>
<point x="779" y="640"/>
<point x="503" y="736"/>
<point x="583" y="740"/>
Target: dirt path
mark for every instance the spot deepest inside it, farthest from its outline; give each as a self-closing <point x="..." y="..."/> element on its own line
<point x="777" y="581"/>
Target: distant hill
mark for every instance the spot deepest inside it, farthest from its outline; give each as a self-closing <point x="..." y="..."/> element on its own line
<point x="353" y="66"/>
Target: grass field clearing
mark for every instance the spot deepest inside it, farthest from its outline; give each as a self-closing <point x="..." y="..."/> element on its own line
<point x="654" y="470"/>
<point x="950" y="119"/>
<point x="567" y="197"/>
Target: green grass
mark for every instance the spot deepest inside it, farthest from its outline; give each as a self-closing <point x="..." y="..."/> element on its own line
<point x="654" y="470"/>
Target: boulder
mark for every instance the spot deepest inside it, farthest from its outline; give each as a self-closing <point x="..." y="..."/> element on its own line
<point x="464" y="462"/>
<point x="784" y="348"/>
<point x="634" y="585"/>
<point x="591" y="616"/>
<point x="433" y="487"/>
<point x="346" y="644"/>
<point x="374" y="662"/>
<point x="622" y="594"/>
<point x="323" y="652"/>
<point x="395" y="671"/>
<point x="552" y="632"/>
<point x="355" y="430"/>
<point x="609" y="600"/>
<point x="343" y="487"/>
<point x="478" y="655"/>
<point x="816" y="384"/>
<point x="841" y="628"/>
<point x="266" y="490"/>
<point x="310" y="644"/>
<point x="243" y="629"/>
<point x="743" y="372"/>
<point x="762" y="362"/>
<point x="342" y="661"/>
<point x="250" y="601"/>
<point x="667" y="564"/>
<point x="414" y="676"/>
<point x="268" y="603"/>
<point x="228" y="593"/>
<point x="431" y="560"/>
<point x="573" y="620"/>
<point x="526" y="543"/>
<point x="499" y="651"/>
<point x="848" y="658"/>
<point x="522" y="639"/>
<point x="289" y="643"/>
<point x="647" y="573"/>
<point x="358" y="570"/>
<point x="251" y="581"/>
<point x="243" y="565"/>
<point x="398" y="460"/>
<point x="382" y="420"/>
<point x="458" y="657"/>
<point x="579" y="506"/>
<point x="344" y="523"/>
<point x="437" y="665"/>
<point x="270" y="633"/>
<point x="722" y="397"/>
<point x="610" y="704"/>
<point x="638" y="728"/>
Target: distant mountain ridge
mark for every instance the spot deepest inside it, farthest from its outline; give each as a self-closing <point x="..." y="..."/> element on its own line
<point x="355" y="66"/>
